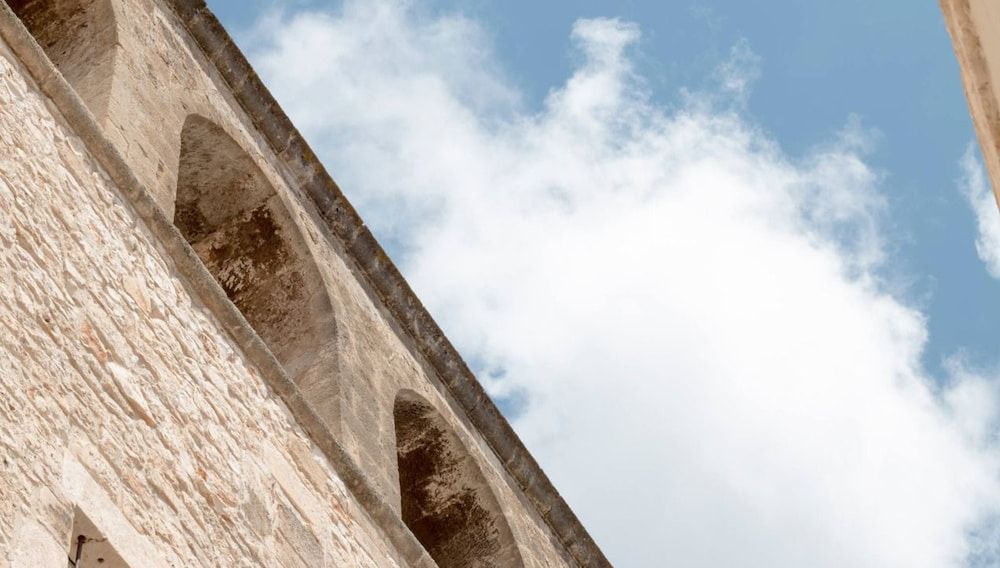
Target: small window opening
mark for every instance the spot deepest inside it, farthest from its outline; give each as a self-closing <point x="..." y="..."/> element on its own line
<point x="445" y="499"/>
<point x="89" y="547"/>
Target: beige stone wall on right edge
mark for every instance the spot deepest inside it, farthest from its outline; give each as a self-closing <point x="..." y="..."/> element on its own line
<point x="974" y="26"/>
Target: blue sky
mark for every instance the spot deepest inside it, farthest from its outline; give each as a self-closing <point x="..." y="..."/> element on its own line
<point x="890" y="63"/>
<point x="724" y="247"/>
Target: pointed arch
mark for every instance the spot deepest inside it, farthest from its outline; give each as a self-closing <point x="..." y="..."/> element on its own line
<point x="237" y="224"/>
<point x="81" y="39"/>
<point x="445" y="499"/>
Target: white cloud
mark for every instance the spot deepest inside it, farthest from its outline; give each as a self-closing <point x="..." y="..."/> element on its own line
<point x="976" y="189"/>
<point x="711" y="373"/>
<point x="737" y="75"/>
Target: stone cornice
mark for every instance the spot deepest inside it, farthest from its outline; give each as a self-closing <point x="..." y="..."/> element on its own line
<point x="346" y="225"/>
<point x="385" y="279"/>
<point x="201" y="284"/>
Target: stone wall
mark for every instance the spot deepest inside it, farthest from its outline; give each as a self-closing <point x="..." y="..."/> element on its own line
<point x="974" y="26"/>
<point x="123" y="388"/>
<point x="120" y="393"/>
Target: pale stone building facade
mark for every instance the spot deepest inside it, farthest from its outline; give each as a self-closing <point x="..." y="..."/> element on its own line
<point x="974" y="26"/>
<point x="205" y="357"/>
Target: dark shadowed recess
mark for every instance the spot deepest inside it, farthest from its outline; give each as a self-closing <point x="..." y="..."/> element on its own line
<point x="446" y="501"/>
<point x="239" y="227"/>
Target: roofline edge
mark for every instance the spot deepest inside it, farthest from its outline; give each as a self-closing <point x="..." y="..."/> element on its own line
<point x="385" y="278"/>
<point x="201" y="284"/>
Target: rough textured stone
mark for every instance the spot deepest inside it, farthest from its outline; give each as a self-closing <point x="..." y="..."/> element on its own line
<point x="154" y="402"/>
<point x="125" y="369"/>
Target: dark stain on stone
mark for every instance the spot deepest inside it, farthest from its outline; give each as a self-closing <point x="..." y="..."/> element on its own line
<point x="445" y="500"/>
<point x="235" y="222"/>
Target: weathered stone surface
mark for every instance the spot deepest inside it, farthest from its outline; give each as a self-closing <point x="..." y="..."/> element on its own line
<point x="154" y="403"/>
<point x="118" y="356"/>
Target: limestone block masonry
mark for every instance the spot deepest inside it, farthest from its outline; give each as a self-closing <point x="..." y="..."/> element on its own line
<point x="205" y="357"/>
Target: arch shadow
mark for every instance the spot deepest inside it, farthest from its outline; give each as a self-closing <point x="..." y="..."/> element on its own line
<point x="235" y="221"/>
<point x="445" y="499"/>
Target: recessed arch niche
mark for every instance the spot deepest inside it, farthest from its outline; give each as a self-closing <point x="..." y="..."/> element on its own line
<point x="445" y="499"/>
<point x="81" y="39"/>
<point x="237" y="224"/>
